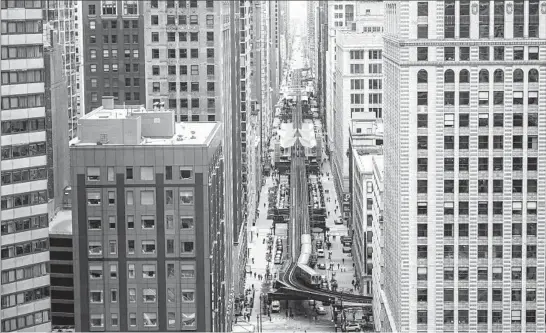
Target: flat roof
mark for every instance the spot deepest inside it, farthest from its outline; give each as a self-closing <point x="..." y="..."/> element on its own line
<point x="61" y="224"/>
<point x="186" y="133"/>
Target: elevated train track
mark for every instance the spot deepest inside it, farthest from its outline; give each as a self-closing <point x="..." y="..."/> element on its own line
<point x="298" y="281"/>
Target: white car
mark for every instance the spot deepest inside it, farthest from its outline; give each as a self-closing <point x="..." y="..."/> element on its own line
<point x="320" y="310"/>
<point x="320" y="253"/>
<point x="275" y="306"/>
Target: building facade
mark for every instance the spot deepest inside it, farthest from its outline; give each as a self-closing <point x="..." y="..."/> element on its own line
<point x="61" y="269"/>
<point x="112" y="52"/>
<point x="357" y="90"/>
<point x="149" y="232"/>
<point x="465" y="176"/>
<point x="25" y="293"/>
<point x="61" y="17"/>
<point x="183" y="61"/>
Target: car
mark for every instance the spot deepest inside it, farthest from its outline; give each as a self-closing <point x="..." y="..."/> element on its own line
<point x="324" y="285"/>
<point x="278" y="261"/>
<point x="349" y="244"/>
<point x="321" y="266"/>
<point x="323" y="278"/>
<point x="275" y="306"/>
<point x="352" y="327"/>
<point x="312" y="302"/>
<point x="346" y="239"/>
<point x="346" y="249"/>
<point x="338" y="221"/>
<point x="279" y="247"/>
<point x="320" y="253"/>
<point x="279" y="241"/>
<point x="320" y="310"/>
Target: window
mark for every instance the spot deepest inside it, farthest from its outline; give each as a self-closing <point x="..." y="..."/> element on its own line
<point x="422" y="120"/>
<point x="187" y="270"/>
<point x="188" y="296"/>
<point x="96" y="320"/>
<point x="186" y="247"/>
<point x="188" y="319"/>
<point x="148" y="222"/>
<point x="147" y="197"/>
<point x="464" y="53"/>
<point x="149" y="295"/>
<point x="518" y="75"/>
<point x="422" y="98"/>
<point x="533" y="76"/>
<point x="422" y="76"/>
<point x="130" y="7"/>
<point x="422" y="31"/>
<point x="148" y="247"/>
<point x="95" y="248"/>
<point x="150" y="319"/>
<point x="422" y="53"/>
<point x="422" y="9"/>
<point x="519" y="53"/>
<point x="146" y="173"/>
<point x="464" y="76"/>
<point x="95" y="272"/>
<point x="484" y="53"/>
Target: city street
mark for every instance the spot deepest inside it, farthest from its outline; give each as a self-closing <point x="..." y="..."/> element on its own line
<point x="342" y="266"/>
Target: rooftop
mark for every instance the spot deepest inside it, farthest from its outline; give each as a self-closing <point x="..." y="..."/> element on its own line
<point x="134" y="125"/>
<point x="61" y="224"/>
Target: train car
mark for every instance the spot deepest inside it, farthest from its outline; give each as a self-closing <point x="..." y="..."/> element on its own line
<point x="308" y="276"/>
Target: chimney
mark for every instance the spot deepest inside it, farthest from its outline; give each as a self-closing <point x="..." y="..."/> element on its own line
<point x="108" y="102"/>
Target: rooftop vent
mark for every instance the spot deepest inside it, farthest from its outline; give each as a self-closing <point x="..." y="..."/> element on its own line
<point x="179" y="138"/>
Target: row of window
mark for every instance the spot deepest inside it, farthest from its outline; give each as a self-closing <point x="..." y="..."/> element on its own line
<point x="10" y="27"/>
<point x="147" y="221"/>
<point x="22" y="76"/>
<point x="182" y="36"/>
<point x="463" y="296"/>
<point x="25" y="297"/>
<point x="146" y="173"/>
<point x="25" y="321"/>
<point x="483" y="76"/>
<point x="147" y="198"/>
<point x="482" y="318"/>
<point x="24" y="150"/>
<point x="187" y="270"/>
<point x="483" y="98"/>
<point x="483" y="208"/>
<point x="182" y="20"/>
<point x="483" y="164"/>
<point x="376" y="98"/>
<point x="181" y="3"/>
<point x="22" y="52"/>
<point x="23" y="126"/>
<point x="24" y="273"/>
<point x="497" y="253"/>
<point x="29" y="4"/>
<point x="24" y="224"/>
<point x="149" y="319"/>
<point x="23" y="175"/>
<point x="23" y="101"/>
<point x="147" y="247"/>
<point x="25" y="248"/>
<point x="113" y="39"/>
<point x="183" y="70"/>
<point x="518" y="120"/>
<point x="483" y="53"/>
<point x="359" y="68"/>
<point x="359" y="54"/>
<point x="373" y="84"/>
<point x="483" y="231"/>
<point x="483" y="142"/>
<point x="109" y="7"/>
<point x="183" y="53"/>
<point x="23" y="199"/>
<point x="113" y="24"/>
<point x="497" y="186"/>
<point x="183" y="86"/>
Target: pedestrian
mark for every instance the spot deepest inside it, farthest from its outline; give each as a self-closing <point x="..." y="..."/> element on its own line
<point x="286" y="313"/>
<point x="337" y="268"/>
<point x="342" y="260"/>
<point x="353" y="265"/>
<point x="253" y="260"/>
<point x="353" y="283"/>
<point x="253" y="284"/>
<point x="264" y="204"/>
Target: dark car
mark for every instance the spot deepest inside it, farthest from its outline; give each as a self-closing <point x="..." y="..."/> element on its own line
<point x="321" y="266"/>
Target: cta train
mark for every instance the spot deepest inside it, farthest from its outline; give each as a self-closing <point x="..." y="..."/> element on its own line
<point x="303" y="272"/>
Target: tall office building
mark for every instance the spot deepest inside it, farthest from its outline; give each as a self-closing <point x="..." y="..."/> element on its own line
<point x="184" y="56"/>
<point x="310" y="45"/>
<point x="150" y="240"/>
<point x="61" y="17"/>
<point x="25" y="303"/>
<point x="113" y="45"/>
<point x="465" y="169"/>
<point x="357" y="88"/>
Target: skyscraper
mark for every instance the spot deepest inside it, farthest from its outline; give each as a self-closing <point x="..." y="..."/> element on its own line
<point x="465" y="172"/>
<point x="25" y="303"/>
<point x="61" y="17"/>
<point x="113" y="41"/>
<point x="150" y="239"/>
